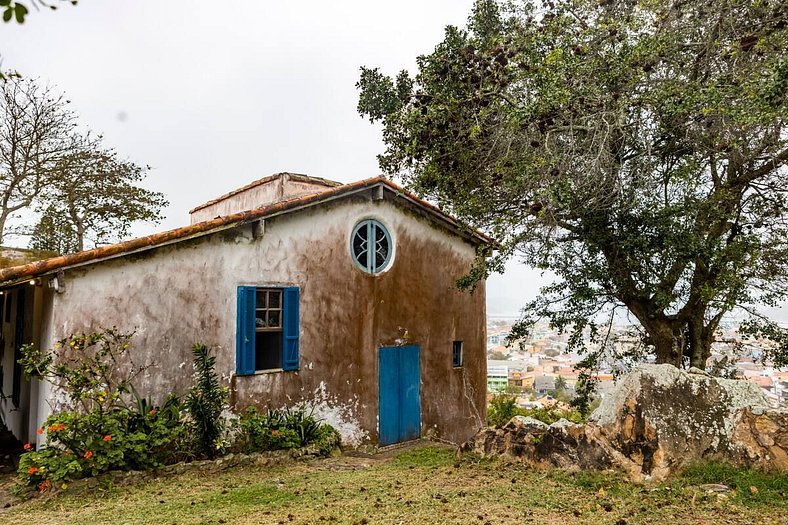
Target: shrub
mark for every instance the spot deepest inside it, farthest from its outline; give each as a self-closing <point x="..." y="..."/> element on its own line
<point x="87" y="367"/>
<point x="327" y="439"/>
<point x="286" y="429"/>
<point x="107" y="425"/>
<point x="205" y="403"/>
<point x="79" y="444"/>
<point x="503" y="408"/>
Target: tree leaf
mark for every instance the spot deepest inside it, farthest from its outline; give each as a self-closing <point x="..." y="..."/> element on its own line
<point x="21" y="11"/>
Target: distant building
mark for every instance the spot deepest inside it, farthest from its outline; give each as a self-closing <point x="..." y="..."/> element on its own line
<point x="544" y="384"/>
<point x="497" y="378"/>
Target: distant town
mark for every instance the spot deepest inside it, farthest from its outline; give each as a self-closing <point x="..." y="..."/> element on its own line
<point x="541" y="373"/>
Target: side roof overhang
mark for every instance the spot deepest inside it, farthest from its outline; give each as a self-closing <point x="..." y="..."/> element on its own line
<point x="378" y="188"/>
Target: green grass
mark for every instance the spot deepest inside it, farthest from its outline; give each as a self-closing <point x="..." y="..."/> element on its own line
<point x="751" y="487"/>
<point x="426" y="485"/>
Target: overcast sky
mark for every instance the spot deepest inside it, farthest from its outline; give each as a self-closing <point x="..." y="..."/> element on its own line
<point x="213" y="95"/>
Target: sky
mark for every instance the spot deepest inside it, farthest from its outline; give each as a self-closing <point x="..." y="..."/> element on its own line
<point x="213" y="95"/>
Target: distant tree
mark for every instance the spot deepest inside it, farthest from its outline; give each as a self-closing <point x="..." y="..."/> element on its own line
<point x="560" y="383"/>
<point x="498" y="356"/>
<point x="94" y="196"/>
<point x="54" y="234"/>
<point x="637" y="150"/>
<point x="36" y="131"/>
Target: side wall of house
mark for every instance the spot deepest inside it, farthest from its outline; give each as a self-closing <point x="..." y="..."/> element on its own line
<point x="186" y="293"/>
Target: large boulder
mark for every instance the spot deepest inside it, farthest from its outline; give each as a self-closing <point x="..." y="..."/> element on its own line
<point x="658" y="419"/>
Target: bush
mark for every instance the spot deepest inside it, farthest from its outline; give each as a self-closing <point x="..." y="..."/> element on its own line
<point x="286" y="429"/>
<point x="80" y="445"/>
<point x="205" y="403"/>
<point x="85" y="367"/>
<point x="503" y="408"/>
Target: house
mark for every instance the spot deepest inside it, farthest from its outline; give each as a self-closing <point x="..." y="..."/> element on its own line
<point x="341" y="296"/>
<point x="497" y="377"/>
<point x="544" y="384"/>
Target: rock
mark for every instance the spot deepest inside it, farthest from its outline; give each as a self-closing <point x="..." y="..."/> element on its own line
<point x="710" y="488"/>
<point x="660" y="418"/>
<point x="761" y="438"/>
<point x="520" y="423"/>
<point x="657" y="420"/>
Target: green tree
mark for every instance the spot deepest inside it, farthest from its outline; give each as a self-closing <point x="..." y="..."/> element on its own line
<point x="93" y="195"/>
<point x="637" y="150"/>
<point x="498" y="356"/>
<point x="53" y="233"/>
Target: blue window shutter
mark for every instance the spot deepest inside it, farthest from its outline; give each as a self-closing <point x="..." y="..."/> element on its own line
<point x="290" y="329"/>
<point x="244" y="331"/>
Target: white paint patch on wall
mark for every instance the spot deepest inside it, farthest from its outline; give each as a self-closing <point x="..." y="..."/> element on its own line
<point x="328" y="409"/>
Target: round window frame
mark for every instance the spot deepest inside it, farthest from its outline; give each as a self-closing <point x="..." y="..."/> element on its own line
<point x="391" y="252"/>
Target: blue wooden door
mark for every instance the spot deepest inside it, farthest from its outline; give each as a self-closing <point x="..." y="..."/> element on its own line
<point x="400" y="399"/>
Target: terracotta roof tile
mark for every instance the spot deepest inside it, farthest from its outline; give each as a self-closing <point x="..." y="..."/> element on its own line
<point x="33" y="269"/>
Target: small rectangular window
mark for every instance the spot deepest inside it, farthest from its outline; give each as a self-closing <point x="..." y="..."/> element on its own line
<point x="267" y="329"/>
<point x="456" y="354"/>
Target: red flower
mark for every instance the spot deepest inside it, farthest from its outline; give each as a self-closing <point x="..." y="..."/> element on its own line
<point x="32" y="470"/>
<point x="44" y="485"/>
<point x="60" y="426"/>
<point x="151" y="412"/>
<point x="28" y="446"/>
<point x="107" y="438"/>
<point x="40" y="431"/>
<point x="87" y="455"/>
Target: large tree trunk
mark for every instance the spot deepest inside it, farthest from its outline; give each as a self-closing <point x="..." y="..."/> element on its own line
<point x="699" y="339"/>
<point x="668" y="346"/>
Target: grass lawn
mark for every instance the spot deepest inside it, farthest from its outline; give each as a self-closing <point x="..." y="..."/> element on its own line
<point x="421" y="485"/>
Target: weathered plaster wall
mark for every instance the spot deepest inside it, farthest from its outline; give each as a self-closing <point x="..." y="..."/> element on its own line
<point x="277" y="189"/>
<point x="186" y="293"/>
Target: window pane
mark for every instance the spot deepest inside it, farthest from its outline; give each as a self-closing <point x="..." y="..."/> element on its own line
<point x="274" y="319"/>
<point x="274" y="299"/>
<point x="381" y="254"/>
<point x="259" y="319"/>
<point x="268" y="350"/>
<point x="360" y="245"/>
<point x="260" y="299"/>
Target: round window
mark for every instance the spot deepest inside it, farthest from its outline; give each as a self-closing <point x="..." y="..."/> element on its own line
<point x="371" y="246"/>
